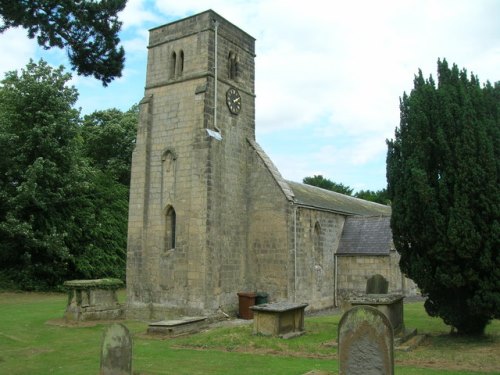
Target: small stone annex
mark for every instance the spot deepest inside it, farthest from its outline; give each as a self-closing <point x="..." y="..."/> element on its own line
<point x="210" y="215"/>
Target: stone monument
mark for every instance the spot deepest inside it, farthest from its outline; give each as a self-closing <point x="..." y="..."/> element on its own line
<point x="93" y="300"/>
<point x="366" y="342"/>
<point x="377" y="284"/>
<point x="116" y="351"/>
<point x="391" y="305"/>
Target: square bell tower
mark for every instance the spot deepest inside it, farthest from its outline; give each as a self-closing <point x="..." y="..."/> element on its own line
<point x="187" y="235"/>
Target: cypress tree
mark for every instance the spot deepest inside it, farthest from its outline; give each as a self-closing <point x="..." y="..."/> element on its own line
<point x="443" y="180"/>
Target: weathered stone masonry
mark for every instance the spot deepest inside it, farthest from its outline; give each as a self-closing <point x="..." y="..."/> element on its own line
<point x="210" y="215"/>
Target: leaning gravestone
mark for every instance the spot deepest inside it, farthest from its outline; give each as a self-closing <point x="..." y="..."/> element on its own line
<point x="365" y="343"/>
<point x="377" y="284"/>
<point x="116" y="352"/>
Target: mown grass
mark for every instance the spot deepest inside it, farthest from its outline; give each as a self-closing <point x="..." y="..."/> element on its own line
<point x="28" y="345"/>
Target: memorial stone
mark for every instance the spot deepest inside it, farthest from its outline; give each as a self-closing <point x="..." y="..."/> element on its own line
<point x="116" y="351"/>
<point x="366" y="343"/>
<point x="377" y="284"/>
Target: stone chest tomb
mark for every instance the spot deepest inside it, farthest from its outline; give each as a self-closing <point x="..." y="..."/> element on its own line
<point x="93" y="300"/>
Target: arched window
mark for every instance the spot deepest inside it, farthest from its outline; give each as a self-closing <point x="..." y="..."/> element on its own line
<point x="170" y="222"/>
<point x="180" y="63"/>
<point x="317" y="244"/>
<point x="233" y="65"/>
<point x="168" y="161"/>
<point x="173" y="61"/>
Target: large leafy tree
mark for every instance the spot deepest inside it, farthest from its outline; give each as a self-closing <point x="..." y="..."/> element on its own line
<point x="88" y="29"/>
<point x="59" y="216"/>
<point x="109" y="139"/>
<point x="443" y="169"/>
<point x="325" y="183"/>
<point x="37" y="176"/>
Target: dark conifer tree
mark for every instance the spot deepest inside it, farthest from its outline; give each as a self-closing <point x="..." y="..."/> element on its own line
<point x="88" y="29"/>
<point x="443" y="169"/>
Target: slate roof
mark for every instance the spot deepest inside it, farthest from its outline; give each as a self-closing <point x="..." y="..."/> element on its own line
<point x="315" y="197"/>
<point x="364" y="235"/>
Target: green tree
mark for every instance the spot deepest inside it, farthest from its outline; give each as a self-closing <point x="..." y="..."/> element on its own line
<point x="98" y="229"/>
<point x="37" y="137"/>
<point x="325" y="183"/>
<point x="443" y="180"/>
<point x="109" y="139"/>
<point x="88" y="29"/>
<point x="59" y="216"/>
<point x="379" y="196"/>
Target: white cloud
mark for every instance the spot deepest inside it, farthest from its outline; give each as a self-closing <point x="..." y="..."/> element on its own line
<point x="137" y="13"/>
<point x="335" y="69"/>
<point x="328" y="69"/>
<point x="17" y="50"/>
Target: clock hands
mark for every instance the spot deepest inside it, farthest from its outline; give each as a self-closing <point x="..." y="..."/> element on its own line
<point x="233" y="100"/>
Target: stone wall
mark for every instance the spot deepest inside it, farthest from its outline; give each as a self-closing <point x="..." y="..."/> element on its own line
<point x="268" y="260"/>
<point x="318" y="235"/>
<point x="354" y="271"/>
<point x="209" y="214"/>
<point x="187" y="217"/>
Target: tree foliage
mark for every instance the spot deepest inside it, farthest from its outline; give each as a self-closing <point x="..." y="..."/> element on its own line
<point x="325" y="183"/>
<point x="60" y="216"/>
<point x="379" y="196"/>
<point x="443" y="180"/>
<point x="88" y="29"/>
<point x="37" y="174"/>
<point x="109" y="139"/>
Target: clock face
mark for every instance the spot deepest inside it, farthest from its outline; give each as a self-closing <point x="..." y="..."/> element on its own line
<point x="233" y="100"/>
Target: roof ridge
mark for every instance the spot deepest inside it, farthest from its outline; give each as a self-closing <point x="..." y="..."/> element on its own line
<point x="282" y="183"/>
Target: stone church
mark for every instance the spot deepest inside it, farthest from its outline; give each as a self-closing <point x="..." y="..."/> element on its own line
<point x="210" y="215"/>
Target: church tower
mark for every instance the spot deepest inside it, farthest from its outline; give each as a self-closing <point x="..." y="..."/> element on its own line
<point x="187" y="232"/>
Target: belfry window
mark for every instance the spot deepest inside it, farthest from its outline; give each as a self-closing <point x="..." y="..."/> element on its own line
<point x="180" y="63"/>
<point x="170" y="223"/>
<point x="176" y="64"/>
<point x="173" y="61"/>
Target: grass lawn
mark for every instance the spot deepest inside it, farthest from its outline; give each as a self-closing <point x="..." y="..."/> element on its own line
<point x="28" y="345"/>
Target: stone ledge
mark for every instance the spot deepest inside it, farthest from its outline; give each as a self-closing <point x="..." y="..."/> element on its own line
<point x="94" y="284"/>
<point x="279" y="307"/>
<point x="178" y="326"/>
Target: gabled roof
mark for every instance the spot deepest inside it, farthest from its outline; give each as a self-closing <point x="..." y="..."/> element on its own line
<point x="322" y="199"/>
<point x="316" y="198"/>
<point x="272" y="169"/>
<point x="366" y="235"/>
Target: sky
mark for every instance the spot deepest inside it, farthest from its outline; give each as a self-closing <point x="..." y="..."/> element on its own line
<point x="329" y="74"/>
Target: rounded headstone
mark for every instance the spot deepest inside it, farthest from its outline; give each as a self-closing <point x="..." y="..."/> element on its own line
<point x="116" y="351"/>
<point x="366" y="343"/>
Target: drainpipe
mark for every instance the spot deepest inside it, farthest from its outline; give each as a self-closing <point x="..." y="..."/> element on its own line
<point x="294" y="253"/>
<point x="335" y="293"/>
<point x="216" y="27"/>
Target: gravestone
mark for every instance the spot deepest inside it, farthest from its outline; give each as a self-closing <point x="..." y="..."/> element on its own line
<point x="377" y="284"/>
<point x="116" y="351"/>
<point x="365" y="343"/>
